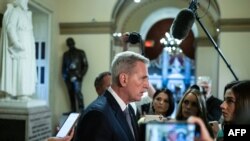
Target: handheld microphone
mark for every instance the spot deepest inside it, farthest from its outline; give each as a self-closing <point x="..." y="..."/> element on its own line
<point x="183" y="22"/>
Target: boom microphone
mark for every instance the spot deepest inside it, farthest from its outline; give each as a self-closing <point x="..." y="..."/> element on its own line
<point x="184" y="21"/>
<point x="182" y="24"/>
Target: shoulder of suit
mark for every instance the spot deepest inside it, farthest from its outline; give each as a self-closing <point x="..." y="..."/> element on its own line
<point x="99" y="104"/>
<point x="217" y="98"/>
<point x="213" y="99"/>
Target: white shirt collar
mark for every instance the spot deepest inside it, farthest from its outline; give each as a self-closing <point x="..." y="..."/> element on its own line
<point x="121" y="103"/>
<point x="208" y="96"/>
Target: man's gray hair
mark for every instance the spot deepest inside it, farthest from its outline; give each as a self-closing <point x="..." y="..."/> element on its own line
<point x="125" y="62"/>
<point x="202" y="79"/>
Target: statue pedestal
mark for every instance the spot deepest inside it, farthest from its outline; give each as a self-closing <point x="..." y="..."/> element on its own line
<point x="24" y="120"/>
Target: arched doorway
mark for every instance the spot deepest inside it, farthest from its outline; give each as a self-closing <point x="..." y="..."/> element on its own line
<point x="153" y="18"/>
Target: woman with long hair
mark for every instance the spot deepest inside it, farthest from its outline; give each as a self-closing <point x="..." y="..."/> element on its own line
<point x="193" y="104"/>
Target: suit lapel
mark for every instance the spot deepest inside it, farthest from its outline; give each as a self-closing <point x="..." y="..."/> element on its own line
<point x="134" y="122"/>
<point x="120" y="115"/>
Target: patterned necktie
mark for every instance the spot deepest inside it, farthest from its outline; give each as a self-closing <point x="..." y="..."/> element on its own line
<point x="128" y="118"/>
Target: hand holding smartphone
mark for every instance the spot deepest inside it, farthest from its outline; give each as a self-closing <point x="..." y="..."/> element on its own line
<point x="215" y="127"/>
<point x="68" y="125"/>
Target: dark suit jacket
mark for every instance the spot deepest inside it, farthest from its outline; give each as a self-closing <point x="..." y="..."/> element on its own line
<point x="213" y="108"/>
<point x="103" y="120"/>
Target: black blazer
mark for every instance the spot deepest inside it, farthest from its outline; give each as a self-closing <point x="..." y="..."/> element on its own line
<point x="213" y="108"/>
<point x="103" y="120"/>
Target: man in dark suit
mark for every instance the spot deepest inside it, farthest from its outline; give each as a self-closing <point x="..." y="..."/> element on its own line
<point x="104" y="119"/>
<point x="212" y="103"/>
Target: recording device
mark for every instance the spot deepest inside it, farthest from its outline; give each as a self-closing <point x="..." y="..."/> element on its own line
<point x="134" y="38"/>
<point x="183" y="21"/>
<point x="171" y="130"/>
<point x="68" y="125"/>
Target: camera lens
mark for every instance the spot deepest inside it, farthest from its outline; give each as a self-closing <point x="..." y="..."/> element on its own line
<point x="134" y="37"/>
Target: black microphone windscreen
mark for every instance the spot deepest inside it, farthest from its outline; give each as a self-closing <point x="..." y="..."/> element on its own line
<point x="182" y="24"/>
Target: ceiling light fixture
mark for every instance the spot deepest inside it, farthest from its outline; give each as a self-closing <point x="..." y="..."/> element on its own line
<point x="171" y="45"/>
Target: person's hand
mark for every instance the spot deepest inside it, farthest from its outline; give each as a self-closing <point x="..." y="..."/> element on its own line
<point x="72" y="79"/>
<point x="15" y="50"/>
<point x="17" y="46"/>
<point x="124" y="40"/>
<point x="125" y="37"/>
<point x="204" y="136"/>
<point x="66" y="138"/>
<point x="215" y="127"/>
<point x="141" y="120"/>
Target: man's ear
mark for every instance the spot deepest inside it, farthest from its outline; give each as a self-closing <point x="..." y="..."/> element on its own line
<point x="123" y="79"/>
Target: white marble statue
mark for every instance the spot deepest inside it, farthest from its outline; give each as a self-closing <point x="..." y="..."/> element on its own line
<point x="17" y="48"/>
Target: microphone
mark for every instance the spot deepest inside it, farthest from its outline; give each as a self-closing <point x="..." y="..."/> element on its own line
<point x="183" y="22"/>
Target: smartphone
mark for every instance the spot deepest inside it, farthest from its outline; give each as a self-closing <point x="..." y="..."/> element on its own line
<point x="68" y="125"/>
<point x="171" y="131"/>
<point x="154" y="118"/>
<point x="214" y="124"/>
<point x="215" y="127"/>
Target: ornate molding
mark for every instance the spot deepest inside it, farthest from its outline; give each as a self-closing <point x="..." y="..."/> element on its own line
<point x="205" y="42"/>
<point x="226" y="25"/>
<point x="86" y="28"/>
<point x="234" y="25"/>
<point x="1" y="20"/>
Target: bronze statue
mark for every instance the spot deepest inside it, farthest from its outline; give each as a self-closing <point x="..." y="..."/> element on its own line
<point x="75" y="66"/>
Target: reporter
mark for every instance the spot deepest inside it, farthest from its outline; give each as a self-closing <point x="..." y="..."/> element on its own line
<point x="235" y="107"/>
<point x="193" y="104"/>
<point x="162" y="104"/>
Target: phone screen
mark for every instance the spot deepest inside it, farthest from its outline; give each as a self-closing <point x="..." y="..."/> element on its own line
<point x="170" y="131"/>
<point x="67" y="125"/>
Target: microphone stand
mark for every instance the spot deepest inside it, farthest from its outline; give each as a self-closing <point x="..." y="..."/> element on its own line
<point x="212" y="40"/>
<point x="142" y="47"/>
